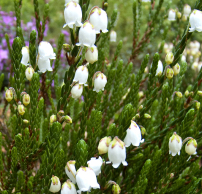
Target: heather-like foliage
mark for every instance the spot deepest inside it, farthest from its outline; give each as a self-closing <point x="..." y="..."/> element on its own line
<point x="111" y="125"/>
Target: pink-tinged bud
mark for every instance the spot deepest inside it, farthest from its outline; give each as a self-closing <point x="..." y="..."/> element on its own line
<point x="176" y="69"/>
<point x="169" y="58"/>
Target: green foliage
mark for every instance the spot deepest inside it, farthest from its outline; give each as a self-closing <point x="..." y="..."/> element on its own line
<point x="57" y="128"/>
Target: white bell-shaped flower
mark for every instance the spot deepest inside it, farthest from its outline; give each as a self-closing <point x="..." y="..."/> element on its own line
<point x="104" y="145"/>
<point x="91" y="54"/>
<point x="72" y="14"/>
<point x="45" y="51"/>
<point x="67" y="1"/>
<point x="71" y="170"/>
<point x="86" y="179"/>
<point x="87" y="35"/>
<point x="29" y="73"/>
<point x="171" y="15"/>
<point x="44" y="65"/>
<point x="187" y="10"/>
<point x="98" y="18"/>
<point x="117" y="153"/>
<point x="199" y="66"/>
<point x="100" y="81"/>
<point x="76" y="91"/>
<point x="195" y="21"/>
<point x="175" y="144"/>
<point x="25" y="56"/>
<point x="68" y="188"/>
<point x="159" y="69"/>
<point x="81" y="75"/>
<point x="191" y="146"/>
<point x="113" y="36"/>
<point x="55" y="184"/>
<point x="133" y="135"/>
<point x="95" y="165"/>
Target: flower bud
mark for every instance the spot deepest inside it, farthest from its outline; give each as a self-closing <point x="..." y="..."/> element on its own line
<point x="68" y="188"/>
<point x="116" y="189"/>
<point x="186" y="93"/>
<point x="29" y="73"/>
<point x="143" y="131"/>
<point x="198" y="104"/>
<point x="179" y="94"/>
<point x="26" y="99"/>
<point x="169" y="73"/>
<point x="53" y="119"/>
<point x="117" y="153"/>
<point x="55" y="184"/>
<point x="91" y="54"/>
<point x="140" y="94"/>
<point x="21" y="109"/>
<point x="140" y="108"/>
<point x="175" y="144"/>
<point x="25" y="121"/>
<point x="71" y="170"/>
<point x="179" y="15"/>
<point x="113" y="36"/>
<point x="199" y="93"/>
<point x="176" y="69"/>
<point x="172" y="175"/>
<point x="147" y="116"/>
<point x="67" y="47"/>
<point x="191" y="147"/>
<point x="169" y="58"/>
<point x="9" y="95"/>
<point x="103" y="145"/>
<point x="95" y="165"/>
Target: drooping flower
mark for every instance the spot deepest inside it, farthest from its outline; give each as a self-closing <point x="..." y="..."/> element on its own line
<point x="117" y="153"/>
<point x="55" y="184"/>
<point x="91" y="54"/>
<point x="87" y="35"/>
<point x="195" y="21"/>
<point x="171" y="15"/>
<point x="29" y="73"/>
<point x="159" y="69"/>
<point x="86" y="179"/>
<point x="95" y="165"/>
<point x="76" y="91"/>
<point x="72" y="14"/>
<point x="191" y="146"/>
<point x="100" y="81"/>
<point x="187" y="10"/>
<point x="68" y="188"/>
<point x="25" y="56"/>
<point x="175" y="144"/>
<point x="45" y="51"/>
<point x="104" y="145"/>
<point x="71" y="170"/>
<point x="81" y="75"/>
<point x="44" y="65"/>
<point x="133" y="135"/>
<point x="98" y="18"/>
<point x="113" y="36"/>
